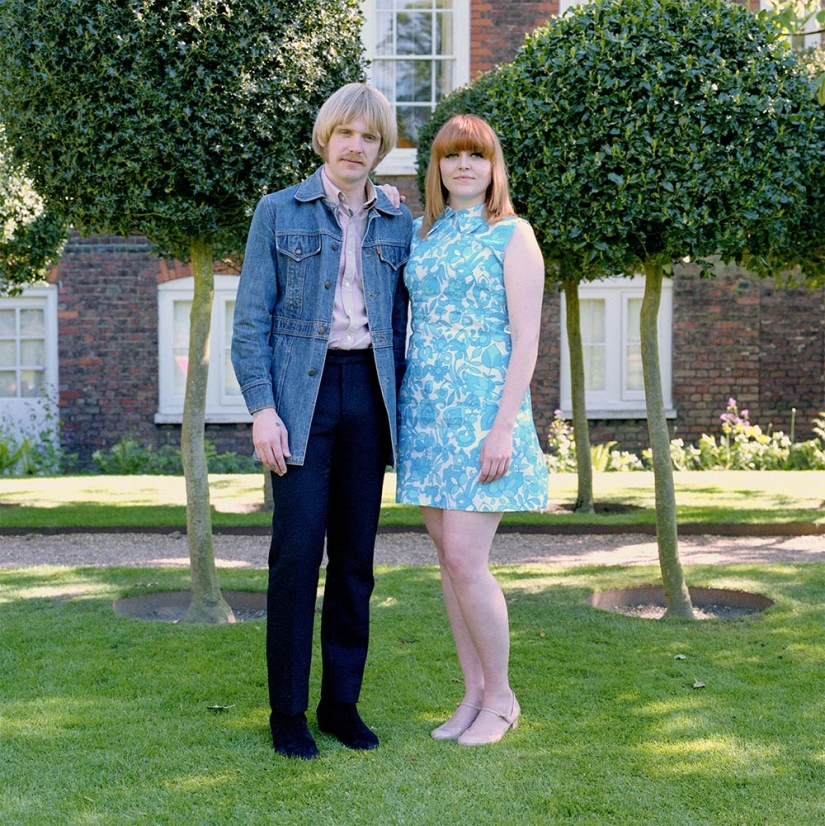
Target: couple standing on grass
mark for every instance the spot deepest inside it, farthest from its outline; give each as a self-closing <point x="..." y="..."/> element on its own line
<point x="320" y="350"/>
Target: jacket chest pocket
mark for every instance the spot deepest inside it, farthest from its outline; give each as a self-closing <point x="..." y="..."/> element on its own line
<point x="298" y="256"/>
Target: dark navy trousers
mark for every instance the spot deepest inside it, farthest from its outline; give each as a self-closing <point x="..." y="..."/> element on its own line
<point x="335" y="494"/>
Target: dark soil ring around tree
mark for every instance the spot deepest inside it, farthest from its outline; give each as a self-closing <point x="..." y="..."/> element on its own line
<point x="171" y="606"/>
<point x="648" y="602"/>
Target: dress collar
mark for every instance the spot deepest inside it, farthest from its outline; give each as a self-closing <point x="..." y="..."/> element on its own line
<point x="466" y="220"/>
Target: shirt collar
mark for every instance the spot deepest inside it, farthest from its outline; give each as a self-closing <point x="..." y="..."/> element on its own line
<point x="338" y="197"/>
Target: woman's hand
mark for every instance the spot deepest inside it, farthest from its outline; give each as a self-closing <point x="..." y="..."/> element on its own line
<point x="496" y="452"/>
<point x="271" y="440"/>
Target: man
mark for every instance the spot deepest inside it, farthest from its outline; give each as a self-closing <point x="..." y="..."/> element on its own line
<point x="318" y="349"/>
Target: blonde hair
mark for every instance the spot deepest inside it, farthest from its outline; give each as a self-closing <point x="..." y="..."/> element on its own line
<point x="466" y="133"/>
<point x="350" y="102"/>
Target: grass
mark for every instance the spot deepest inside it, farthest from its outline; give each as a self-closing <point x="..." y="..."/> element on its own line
<point x="106" y="720"/>
<point x="710" y="497"/>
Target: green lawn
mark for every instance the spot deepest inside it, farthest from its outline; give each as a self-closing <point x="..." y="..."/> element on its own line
<point x="159" y="501"/>
<point x="107" y="720"/>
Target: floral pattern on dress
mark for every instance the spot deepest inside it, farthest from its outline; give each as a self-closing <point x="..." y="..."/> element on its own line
<point x="456" y="364"/>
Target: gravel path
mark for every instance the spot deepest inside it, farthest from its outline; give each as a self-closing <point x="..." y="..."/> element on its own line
<point x="244" y="551"/>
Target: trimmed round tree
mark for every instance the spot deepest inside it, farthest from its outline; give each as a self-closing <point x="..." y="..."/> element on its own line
<point x="649" y="132"/>
<point x="171" y="120"/>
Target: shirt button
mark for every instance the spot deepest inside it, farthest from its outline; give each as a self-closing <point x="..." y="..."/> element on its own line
<point x="347" y="283"/>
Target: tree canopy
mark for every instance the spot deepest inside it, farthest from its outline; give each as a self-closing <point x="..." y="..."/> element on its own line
<point x="170" y="119"/>
<point x="659" y="130"/>
<point x="31" y="237"/>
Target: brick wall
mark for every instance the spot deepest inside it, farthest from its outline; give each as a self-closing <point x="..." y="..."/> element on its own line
<point x="108" y="348"/>
<point x="497" y="29"/>
<point x="734" y="335"/>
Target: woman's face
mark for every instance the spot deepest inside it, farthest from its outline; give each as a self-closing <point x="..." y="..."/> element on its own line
<point x="466" y="177"/>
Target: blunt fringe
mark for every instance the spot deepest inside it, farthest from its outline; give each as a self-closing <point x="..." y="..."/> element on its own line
<point x="466" y="133"/>
<point x="350" y="102"/>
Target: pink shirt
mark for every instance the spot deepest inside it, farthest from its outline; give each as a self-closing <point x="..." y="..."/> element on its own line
<point x="350" y="328"/>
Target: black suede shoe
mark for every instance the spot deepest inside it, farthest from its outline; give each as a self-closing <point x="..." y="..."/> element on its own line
<point x="342" y="721"/>
<point x="291" y="737"/>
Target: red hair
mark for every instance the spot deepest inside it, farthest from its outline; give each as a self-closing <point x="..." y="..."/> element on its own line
<point x="466" y="133"/>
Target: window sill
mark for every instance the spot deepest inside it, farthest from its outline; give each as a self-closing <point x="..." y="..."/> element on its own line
<point x="614" y="413"/>
<point x="211" y="418"/>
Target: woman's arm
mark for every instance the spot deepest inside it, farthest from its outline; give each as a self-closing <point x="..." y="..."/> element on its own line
<point x="524" y="288"/>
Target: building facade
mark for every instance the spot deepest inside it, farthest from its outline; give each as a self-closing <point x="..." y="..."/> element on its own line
<point x="108" y="337"/>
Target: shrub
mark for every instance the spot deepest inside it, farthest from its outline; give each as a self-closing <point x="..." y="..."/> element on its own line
<point x="740" y="446"/>
<point x="129" y="458"/>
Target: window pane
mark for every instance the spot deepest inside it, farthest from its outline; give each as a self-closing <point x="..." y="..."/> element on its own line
<point x="230" y="383"/>
<point x="383" y="34"/>
<point x="635" y="376"/>
<point x="594" y="367"/>
<point x="8" y="328"/>
<point x="633" y="352"/>
<point x="8" y="384"/>
<point x="32" y="383"/>
<point x="592" y="320"/>
<point x="181" y="357"/>
<point x="33" y="353"/>
<point x="414" y="33"/>
<point x="180" y="323"/>
<point x="32" y="323"/>
<point x="383" y="77"/>
<point x="410" y="120"/>
<point x="592" y="314"/>
<point x="414" y="80"/>
<point x="8" y="354"/>
<point x="444" y="33"/>
<point x="444" y="78"/>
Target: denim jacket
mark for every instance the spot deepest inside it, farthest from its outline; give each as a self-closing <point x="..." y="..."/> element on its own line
<point x="283" y="310"/>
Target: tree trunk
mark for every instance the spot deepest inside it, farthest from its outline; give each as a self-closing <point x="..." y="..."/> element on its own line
<point x="673" y="577"/>
<point x="581" y="430"/>
<point x="208" y="604"/>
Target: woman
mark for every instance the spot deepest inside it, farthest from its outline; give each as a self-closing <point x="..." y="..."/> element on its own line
<point x="468" y="447"/>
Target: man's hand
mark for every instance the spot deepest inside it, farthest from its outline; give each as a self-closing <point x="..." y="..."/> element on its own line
<point x="271" y="440"/>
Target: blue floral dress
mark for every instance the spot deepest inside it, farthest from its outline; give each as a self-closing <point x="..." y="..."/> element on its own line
<point x="457" y="360"/>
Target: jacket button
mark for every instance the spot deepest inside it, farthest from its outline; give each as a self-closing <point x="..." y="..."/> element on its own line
<point x="335" y="246"/>
<point x="312" y="372"/>
<point x="322" y="330"/>
<point x="327" y="285"/>
<point x="298" y="251"/>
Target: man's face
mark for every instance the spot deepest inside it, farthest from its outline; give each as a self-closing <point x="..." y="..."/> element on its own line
<point x="351" y="153"/>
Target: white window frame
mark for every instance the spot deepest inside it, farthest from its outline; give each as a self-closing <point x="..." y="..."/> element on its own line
<point x="402" y="161"/>
<point x="220" y="408"/>
<point x="616" y="401"/>
<point x="29" y="415"/>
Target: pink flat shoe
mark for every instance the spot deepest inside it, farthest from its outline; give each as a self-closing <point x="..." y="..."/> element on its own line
<point x="447" y="732"/>
<point x="470" y="738"/>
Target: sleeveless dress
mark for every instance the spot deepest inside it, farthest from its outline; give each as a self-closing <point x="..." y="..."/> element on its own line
<point x="457" y="360"/>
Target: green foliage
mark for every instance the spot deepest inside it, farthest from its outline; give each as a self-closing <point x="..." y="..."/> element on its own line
<point x="130" y="458"/>
<point x="657" y="130"/>
<point x="170" y="119"/>
<point x="561" y="453"/>
<point x="740" y="446"/>
<point x="33" y="448"/>
<point x="31" y="237"/>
